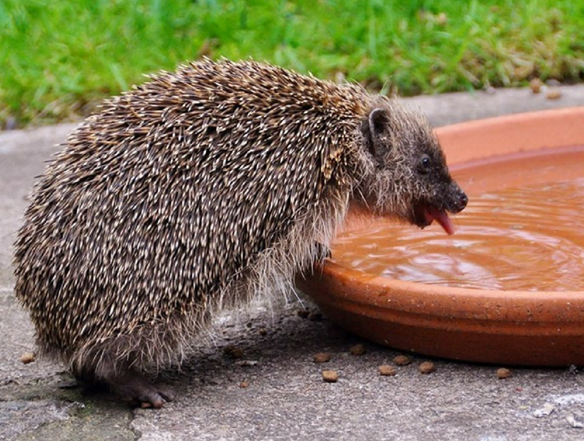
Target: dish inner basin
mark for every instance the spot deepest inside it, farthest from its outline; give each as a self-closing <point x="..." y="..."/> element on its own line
<point x="522" y="230"/>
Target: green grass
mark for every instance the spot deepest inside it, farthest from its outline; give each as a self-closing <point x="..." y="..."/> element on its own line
<point x="57" y="58"/>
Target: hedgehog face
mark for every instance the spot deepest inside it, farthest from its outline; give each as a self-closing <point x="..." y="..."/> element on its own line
<point x="410" y="179"/>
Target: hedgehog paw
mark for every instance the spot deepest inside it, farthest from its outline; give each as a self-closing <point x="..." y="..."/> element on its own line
<point x="135" y="389"/>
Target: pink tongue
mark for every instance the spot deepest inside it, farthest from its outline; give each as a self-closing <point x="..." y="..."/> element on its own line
<point x="442" y="218"/>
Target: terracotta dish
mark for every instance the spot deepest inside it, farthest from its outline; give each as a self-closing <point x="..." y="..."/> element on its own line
<point x="502" y="327"/>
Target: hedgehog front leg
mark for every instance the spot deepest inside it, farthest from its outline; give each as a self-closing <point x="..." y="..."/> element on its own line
<point x="323" y="251"/>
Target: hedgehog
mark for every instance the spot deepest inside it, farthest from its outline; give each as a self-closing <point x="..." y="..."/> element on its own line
<point x="199" y="190"/>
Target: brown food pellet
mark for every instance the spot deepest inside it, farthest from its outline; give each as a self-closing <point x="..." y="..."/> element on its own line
<point x="553" y="94"/>
<point x="358" y="349"/>
<point x="427" y="367"/>
<point x="27" y="357"/>
<point x="401" y="360"/>
<point x="322" y="357"/>
<point x="330" y="376"/>
<point x="503" y="373"/>
<point x="244" y="384"/>
<point x="387" y="370"/>
<point x="535" y="85"/>
<point x="233" y="352"/>
<point x="263" y="332"/>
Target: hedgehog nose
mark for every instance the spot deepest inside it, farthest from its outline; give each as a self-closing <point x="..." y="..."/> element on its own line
<point x="458" y="198"/>
<point x="461" y="202"/>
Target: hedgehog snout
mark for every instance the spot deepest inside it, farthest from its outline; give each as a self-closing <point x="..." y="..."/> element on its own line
<point x="458" y="200"/>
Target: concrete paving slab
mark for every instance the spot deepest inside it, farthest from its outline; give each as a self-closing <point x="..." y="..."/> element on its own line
<point x="275" y="391"/>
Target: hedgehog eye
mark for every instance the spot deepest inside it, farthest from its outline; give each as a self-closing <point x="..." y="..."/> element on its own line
<point x="425" y="163"/>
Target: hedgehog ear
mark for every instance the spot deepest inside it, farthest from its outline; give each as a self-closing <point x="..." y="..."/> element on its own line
<point x="374" y="127"/>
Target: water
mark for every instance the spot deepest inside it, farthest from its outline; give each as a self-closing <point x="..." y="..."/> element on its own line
<point x="510" y="237"/>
